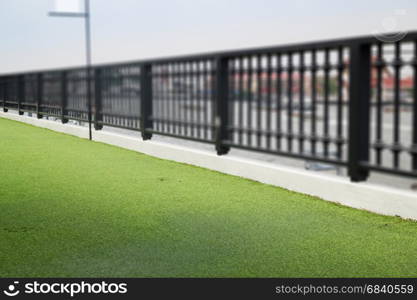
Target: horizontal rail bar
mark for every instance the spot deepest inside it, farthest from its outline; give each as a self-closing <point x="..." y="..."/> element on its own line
<point x="399" y="172"/>
<point x="189" y="138"/>
<point x="295" y="47"/>
<point x="289" y="154"/>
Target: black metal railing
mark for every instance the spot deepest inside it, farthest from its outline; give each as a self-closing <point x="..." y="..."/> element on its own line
<point x="349" y="102"/>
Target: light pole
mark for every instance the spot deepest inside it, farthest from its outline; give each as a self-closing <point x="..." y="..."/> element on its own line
<point x="86" y="16"/>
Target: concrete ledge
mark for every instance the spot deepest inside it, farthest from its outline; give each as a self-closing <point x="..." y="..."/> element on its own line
<point x="371" y="197"/>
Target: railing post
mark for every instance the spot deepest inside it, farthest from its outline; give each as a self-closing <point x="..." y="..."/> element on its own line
<point x="146" y="100"/>
<point x="64" y="96"/>
<point x="39" y="95"/>
<point x="98" y="116"/>
<point x="2" y="91"/>
<point x="5" y="88"/>
<point x="359" y="111"/>
<point x="20" y="93"/>
<point x="221" y="105"/>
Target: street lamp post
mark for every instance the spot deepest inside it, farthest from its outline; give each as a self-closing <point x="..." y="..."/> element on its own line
<point x="86" y="16"/>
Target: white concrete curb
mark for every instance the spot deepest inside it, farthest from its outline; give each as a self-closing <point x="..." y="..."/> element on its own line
<point x="375" y="198"/>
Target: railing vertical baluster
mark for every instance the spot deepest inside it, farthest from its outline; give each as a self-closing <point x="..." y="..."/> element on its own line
<point x="232" y="109"/>
<point x="186" y="112"/>
<point x="397" y="89"/>
<point x="414" y="145"/>
<point x="313" y="123"/>
<point x="289" y="102"/>
<point x="195" y="98"/>
<point x="210" y="84"/>
<point x="6" y="88"/>
<point x="89" y="100"/>
<point x="241" y="96"/>
<point x="132" y="98"/>
<point x="105" y="94"/>
<point x="191" y="99"/>
<point x="64" y="96"/>
<point x="6" y="94"/>
<point x="20" y="93"/>
<point x="249" y="103"/>
<point x="182" y="96"/>
<point x="110" y="81"/>
<point x="268" y="100"/>
<point x="279" y="104"/>
<point x="359" y="121"/>
<point x="175" y="99"/>
<point x="221" y="105"/>
<point x="206" y="100"/>
<point x="200" y="98"/>
<point x="113" y="81"/>
<point x="259" y="83"/>
<point x="170" y="97"/>
<point x="98" y="114"/>
<point x="326" y="129"/>
<point x="340" y="70"/>
<point x="166" y="97"/>
<point x="39" y="82"/>
<point x="161" y="96"/>
<point x="2" y="91"/>
<point x="301" y="106"/>
<point x="379" y="69"/>
<point x="146" y="100"/>
<point x="187" y="100"/>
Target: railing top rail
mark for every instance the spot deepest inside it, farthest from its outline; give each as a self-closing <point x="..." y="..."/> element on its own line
<point x="294" y="47"/>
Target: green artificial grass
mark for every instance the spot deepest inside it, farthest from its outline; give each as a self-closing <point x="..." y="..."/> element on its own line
<point x="70" y="207"/>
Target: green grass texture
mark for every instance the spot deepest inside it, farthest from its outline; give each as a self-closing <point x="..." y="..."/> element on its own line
<point x="74" y="208"/>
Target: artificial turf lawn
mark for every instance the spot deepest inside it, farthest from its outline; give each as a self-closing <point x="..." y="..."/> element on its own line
<point x="70" y="207"/>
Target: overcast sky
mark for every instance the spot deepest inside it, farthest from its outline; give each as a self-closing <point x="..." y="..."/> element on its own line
<point x="137" y="29"/>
